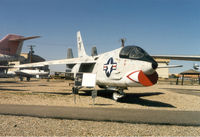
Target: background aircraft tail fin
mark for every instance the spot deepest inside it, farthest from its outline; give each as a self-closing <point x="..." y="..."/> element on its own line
<point x="11" y="44"/>
<point x="94" y="51"/>
<point x="80" y="46"/>
<point x="69" y="53"/>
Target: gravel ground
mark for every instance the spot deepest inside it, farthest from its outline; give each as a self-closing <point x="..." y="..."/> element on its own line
<point x="28" y="126"/>
<point x="58" y="93"/>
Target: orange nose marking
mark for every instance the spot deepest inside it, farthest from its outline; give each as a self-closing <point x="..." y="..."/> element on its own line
<point x="148" y="80"/>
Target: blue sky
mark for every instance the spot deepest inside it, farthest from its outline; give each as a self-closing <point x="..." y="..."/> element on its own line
<point x="158" y="26"/>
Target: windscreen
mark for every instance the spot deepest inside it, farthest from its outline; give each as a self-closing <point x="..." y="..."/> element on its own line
<point x="135" y="52"/>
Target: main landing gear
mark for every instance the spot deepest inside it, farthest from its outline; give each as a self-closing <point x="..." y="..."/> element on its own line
<point x="27" y="78"/>
<point x="118" y="94"/>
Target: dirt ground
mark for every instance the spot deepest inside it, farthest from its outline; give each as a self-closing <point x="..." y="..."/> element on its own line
<point x="58" y="93"/>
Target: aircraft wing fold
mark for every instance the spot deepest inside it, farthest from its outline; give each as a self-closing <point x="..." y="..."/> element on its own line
<point x="178" y="57"/>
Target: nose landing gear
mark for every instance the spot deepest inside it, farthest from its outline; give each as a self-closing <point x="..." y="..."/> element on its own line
<point x="118" y="94"/>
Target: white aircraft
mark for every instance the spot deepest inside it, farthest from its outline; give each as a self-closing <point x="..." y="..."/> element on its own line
<point x="128" y="66"/>
<point x="28" y="73"/>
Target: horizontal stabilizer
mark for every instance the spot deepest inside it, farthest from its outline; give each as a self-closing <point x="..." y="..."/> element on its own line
<point x="23" y="38"/>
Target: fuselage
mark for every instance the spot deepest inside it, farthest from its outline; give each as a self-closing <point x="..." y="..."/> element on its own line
<point x="124" y="67"/>
<point x="8" y="58"/>
<point x="31" y="72"/>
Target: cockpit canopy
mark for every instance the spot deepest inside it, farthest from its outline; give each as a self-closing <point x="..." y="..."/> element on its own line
<point x="135" y="52"/>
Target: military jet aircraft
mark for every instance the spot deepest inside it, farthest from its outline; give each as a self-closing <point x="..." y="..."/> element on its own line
<point x="128" y="66"/>
<point x="10" y="50"/>
<point x="28" y="73"/>
<point x="124" y="67"/>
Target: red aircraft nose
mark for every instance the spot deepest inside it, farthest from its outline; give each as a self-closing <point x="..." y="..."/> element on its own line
<point x="145" y="80"/>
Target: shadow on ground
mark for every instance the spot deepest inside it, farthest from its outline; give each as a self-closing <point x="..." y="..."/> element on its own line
<point x="42" y="85"/>
<point x="8" y="82"/>
<point x="131" y="98"/>
<point x="6" y="89"/>
<point x="52" y="93"/>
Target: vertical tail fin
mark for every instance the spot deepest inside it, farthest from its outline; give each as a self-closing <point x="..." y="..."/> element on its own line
<point x="69" y="53"/>
<point x="81" y="49"/>
<point x="94" y="51"/>
<point x="12" y="44"/>
<point x="69" y="56"/>
<point x="10" y="47"/>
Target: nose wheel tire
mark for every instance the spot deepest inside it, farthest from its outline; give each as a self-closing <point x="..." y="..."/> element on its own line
<point x="117" y="96"/>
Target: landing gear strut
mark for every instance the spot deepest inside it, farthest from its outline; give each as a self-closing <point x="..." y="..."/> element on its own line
<point x="21" y="78"/>
<point x="28" y="78"/>
<point x="118" y="94"/>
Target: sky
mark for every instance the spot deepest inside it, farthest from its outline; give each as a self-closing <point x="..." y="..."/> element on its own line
<point x="158" y="26"/>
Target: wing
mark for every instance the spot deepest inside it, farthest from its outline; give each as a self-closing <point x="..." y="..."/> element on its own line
<point x="5" y="67"/>
<point x="178" y="57"/>
<point x="170" y="66"/>
<point x="23" y="74"/>
<point x="56" y="62"/>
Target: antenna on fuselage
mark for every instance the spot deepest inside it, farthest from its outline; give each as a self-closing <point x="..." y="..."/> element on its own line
<point x="123" y="41"/>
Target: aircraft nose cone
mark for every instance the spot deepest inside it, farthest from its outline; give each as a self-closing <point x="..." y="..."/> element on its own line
<point x="142" y="78"/>
<point x="154" y="65"/>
